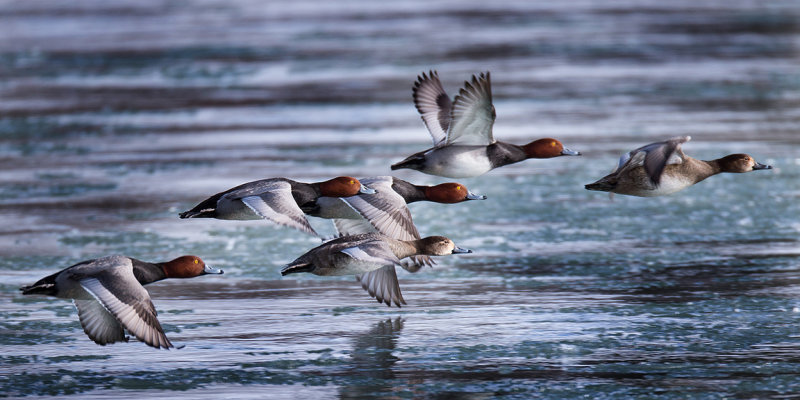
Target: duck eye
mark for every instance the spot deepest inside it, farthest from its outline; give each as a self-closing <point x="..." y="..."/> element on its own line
<point x="351" y="182"/>
<point x="195" y="261"/>
<point x="458" y="187"/>
<point x="553" y="144"/>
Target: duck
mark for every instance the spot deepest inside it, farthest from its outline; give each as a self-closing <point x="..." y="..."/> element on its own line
<point x="280" y="200"/>
<point x="661" y="168"/>
<point x="109" y="295"/>
<point x="387" y="212"/>
<point x="463" y="143"/>
<point x="366" y="252"/>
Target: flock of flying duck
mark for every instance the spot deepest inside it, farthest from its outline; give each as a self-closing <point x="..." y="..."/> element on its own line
<point x="375" y="230"/>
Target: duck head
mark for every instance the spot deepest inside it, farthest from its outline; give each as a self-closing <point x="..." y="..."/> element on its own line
<point x="343" y="186"/>
<point x="547" y="148"/>
<point x="188" y="267"/>
<point x="450" y="192"/>
<point x="439" y="246"/>
<point x="739" y="163"/>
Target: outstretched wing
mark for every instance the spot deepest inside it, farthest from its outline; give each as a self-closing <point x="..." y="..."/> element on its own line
<point x="99" y="324"/>
<point x="473" y="114"/>
<point x="382" y="284"/>
<point x="433" y="105"/>
<point x="655" y="157"/>
<point x="118" y="291"/>
<point x="388" y="214"/>
<point x="373" y="251"/>
<point x="274" y="202"/>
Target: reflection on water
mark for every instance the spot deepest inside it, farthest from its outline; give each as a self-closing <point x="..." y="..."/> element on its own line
<point x="372" y="360"/>
<point x="116" y="116"/>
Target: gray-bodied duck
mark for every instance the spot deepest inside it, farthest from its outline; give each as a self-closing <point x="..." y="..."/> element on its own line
<point x="279" y="200"/>
<point x="463" y="143"/>
<point x="110" y="298"/>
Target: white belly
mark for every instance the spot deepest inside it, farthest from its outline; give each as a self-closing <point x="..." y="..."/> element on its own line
<point x="457" y="161"/>
<point x="668" y="185"/>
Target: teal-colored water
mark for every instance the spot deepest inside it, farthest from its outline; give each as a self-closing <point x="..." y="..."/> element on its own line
<point x="114" y="117"/>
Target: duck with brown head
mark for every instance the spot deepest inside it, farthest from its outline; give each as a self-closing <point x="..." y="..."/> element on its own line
<point x="110" y="298"/>
<point x="279" y="200"/>
<point x="464" y="144"/>
<point x="662" y="168"/>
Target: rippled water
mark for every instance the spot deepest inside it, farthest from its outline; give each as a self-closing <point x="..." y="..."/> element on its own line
<point x="115" y="116"/>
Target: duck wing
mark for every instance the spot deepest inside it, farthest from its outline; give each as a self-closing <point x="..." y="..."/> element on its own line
<point x="100" y="325"/>
<point x="382" y="284"/>
<point x="374" y="251"/>
<point x="273" y="201"/>
<point x="655" y="157"/>
<point x="388" y="213"/>
<point x="118" y="292"/>
<point x="473" y="114"/>
<point x="434" y="106"/>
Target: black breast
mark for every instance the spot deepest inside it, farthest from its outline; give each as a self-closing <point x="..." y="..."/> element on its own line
<point x="305" y="195"/>
<point x="408" y="191"/>
<point x="504" y="153"/>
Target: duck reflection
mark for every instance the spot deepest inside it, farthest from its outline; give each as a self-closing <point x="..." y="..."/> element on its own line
<point x="372" y="361"/>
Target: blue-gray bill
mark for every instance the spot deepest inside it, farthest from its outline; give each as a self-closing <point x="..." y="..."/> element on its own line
<point x="367" y="190"/>
<point x="211" y="270"/>
<point x="473" y="196"/>
<point x="761" y="166"/>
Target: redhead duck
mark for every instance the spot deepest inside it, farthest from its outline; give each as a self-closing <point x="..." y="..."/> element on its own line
<point x="280" y="200"/>
<point x="462" y="132"/>
<point x="386" y="212"/>
<point x="359" y="254"/>
<point x="662" y="168"/>
<point x="110" y="298"/>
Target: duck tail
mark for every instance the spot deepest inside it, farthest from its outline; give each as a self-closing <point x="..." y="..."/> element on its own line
<point x="413" y="162"/>
<point x="297" y="267"/>
<point x="208" y="213"/>
<point x="45" y="286"/>
<point x="603" y="185"/>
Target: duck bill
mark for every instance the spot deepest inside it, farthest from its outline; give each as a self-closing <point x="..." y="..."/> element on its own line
<point x="367" y="190"/>
<point x="473" y="196"/>
<point x="211" y="270"/>
<point x="459" y="250"/>
<point x="568" y="152"/>
<point x="761" y="166"/>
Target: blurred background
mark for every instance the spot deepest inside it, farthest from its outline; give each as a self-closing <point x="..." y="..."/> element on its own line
<point x="115" y="116"/>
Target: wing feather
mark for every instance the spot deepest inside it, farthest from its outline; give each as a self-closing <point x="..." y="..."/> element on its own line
<point x="279" y="207"/>
<point x="473" y="114"/>
<point x="382" y="284"/>
<point x="433" y="105"/>
<point x="133" y="310"/>
<point x="99" y="324"/>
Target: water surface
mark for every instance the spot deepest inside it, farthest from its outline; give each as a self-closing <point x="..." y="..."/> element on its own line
<point x="116" y="116"/>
